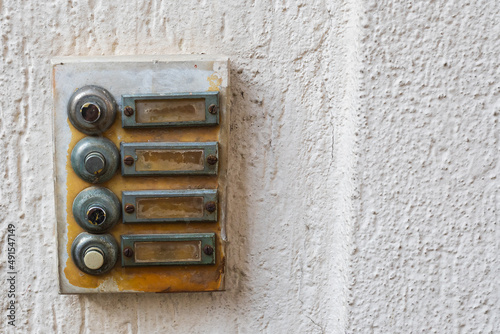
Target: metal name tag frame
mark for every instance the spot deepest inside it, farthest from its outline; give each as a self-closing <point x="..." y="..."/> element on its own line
<point x="209" y="206"/>
<point x="211" y="109"/>
<point x="210" y="152"/>
<point x="207" y="249"/>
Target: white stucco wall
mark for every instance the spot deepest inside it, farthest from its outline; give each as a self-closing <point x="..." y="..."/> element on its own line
<point x="426" y="237"/>
<point x="363" y="185"/>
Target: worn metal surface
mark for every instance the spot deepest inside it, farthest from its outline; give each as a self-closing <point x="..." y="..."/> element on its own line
<point x="97" y="147"/>
<point x="103" y="202"/>
<point x="211" y="103"/>
<point x="69" y="76"/>
<point x="100" y="106"/>
<point x="106" y="244"/>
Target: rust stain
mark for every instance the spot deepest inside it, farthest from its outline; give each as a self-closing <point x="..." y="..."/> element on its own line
<point x="148" y="279"/>
<point x="214" y="82"/>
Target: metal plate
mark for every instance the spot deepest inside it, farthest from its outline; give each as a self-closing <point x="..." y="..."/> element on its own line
<point x="141" y="75"/>
<point x="173" y="247"/>
<point x="165" y="206"/>
<point x="157" y="159"/>
<point x="168" y="104"/>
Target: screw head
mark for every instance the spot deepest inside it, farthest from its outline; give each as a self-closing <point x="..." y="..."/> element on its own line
<point x="212" y="109"/>
<point x="128" y="252"/>
<point x="128" y="111"/>
<point x="210" y="207"/>
<point x="128" y="160"/>
<point x="208" y="250"/>
<point x="212" y="159"/>
<point x="129" y="208"/>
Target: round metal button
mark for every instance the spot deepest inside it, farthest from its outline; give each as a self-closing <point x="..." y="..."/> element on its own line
<point x="95" y="160"/>
<point x="96" y="209"/>
<point x="91" y="109"/>
<point x="94" y="254"/>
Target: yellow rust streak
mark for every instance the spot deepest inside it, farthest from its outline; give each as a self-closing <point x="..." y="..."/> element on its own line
<point x="149" y="279"/>
<point x="214" y="82"/>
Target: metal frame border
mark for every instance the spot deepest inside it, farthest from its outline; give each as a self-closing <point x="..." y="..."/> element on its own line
<point x="130" y="197"/>
<point x="129" y="149"/>
<point x="207" y="239"/>
<point x="210" y="119"/>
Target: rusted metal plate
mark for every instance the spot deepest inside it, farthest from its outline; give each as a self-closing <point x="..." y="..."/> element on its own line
<point x="136" y="75"/>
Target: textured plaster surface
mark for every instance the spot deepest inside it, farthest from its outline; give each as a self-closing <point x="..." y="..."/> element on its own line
<point x="363" y="165"/>
<point x="287" y="250"/>
<point x="426" y="237"/>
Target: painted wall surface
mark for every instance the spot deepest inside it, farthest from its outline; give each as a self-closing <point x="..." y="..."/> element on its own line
<point x="363" y="167"/>
<point x="426" y="237"/>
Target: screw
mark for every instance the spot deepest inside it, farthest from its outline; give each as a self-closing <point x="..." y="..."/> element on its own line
<point x="210" y="206"/>
<point x="129" y="208"/>
<point x="128" y="252"/>
<point x="208" y="250"/>
<point x="128" y="160"/>
<point x="212" y="109"/>
<point x="212" y="159"/>
<point x="128" y="111"/>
